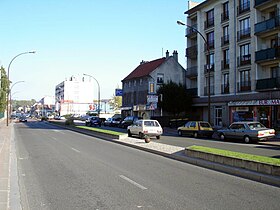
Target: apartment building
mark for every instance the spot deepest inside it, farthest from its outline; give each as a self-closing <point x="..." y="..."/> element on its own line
<point x="233" y="59"/>
<point x="75" y="95"/>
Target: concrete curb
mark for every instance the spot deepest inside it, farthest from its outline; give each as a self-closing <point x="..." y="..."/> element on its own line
<point x="180" y="155"/>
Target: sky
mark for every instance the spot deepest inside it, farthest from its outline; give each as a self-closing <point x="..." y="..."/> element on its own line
<point x="106" y="39"/>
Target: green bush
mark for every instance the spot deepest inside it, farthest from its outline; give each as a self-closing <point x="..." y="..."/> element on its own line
<point x="69" y="121"/>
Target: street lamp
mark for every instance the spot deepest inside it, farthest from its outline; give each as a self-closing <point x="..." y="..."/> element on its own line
<point x="9" y="81"/>
<point x="11" y="96"/>
<point x="98" y="110"/>
<point x="207" y="66"/>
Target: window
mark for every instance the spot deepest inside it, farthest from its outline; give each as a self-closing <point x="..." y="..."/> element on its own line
<point x="245" y="80"/>
<point x="210" y="39"/>
<point x="245" y="56"/>
<point x="141" y="82"/>
<point x="244" y="5"/>
<point x="218" y="115"/>
<point x="275" y="72"/>
<point x="210" y="18"/>
<point x="135" y="82"/>
<point x="210" y="61"/>
<point x="226" y="59"/>
<point x="160" y="78"/>
<point x="225" y="38"/>
<point x="225" y="84"/>
<point x="225" y="14"/>
<point x="245" y="30"/>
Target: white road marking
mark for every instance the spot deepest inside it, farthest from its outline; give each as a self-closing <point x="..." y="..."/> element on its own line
<point x="133" y="182"/>
<point x="75" y="150"/>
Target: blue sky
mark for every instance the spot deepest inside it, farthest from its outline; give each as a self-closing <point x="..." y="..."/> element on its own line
<point x="106" y="39"/>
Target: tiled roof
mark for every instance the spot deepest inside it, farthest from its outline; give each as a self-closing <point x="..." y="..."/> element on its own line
<point x="145" y="69"/>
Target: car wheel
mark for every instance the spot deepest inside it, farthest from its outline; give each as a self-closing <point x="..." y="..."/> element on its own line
<point x="222" y="137"/>
<point x="247" y="139"/>
<point x="195" y="134"/>
<point x="179" y="132"/>
<point x="158" y="137"/>
<point x="141" y="136"/>
<point x="129" y="133"/>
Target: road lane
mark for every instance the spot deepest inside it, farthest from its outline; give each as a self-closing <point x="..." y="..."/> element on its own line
<point x="54" y="176"/>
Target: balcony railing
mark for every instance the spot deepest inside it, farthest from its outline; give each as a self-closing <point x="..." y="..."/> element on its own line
<point x="191" y="72"/>
<point x="244" y="60"/>
<point x="191" y="52"/>
<point x="244" y="33"/>
<point x="209" y="23"/>
<point x="192" y="91"/>
<point x="225" y="64"/>
<point x="211" y="45"/>
<point x="267" y="25"/>
<point x="243" y="7"/>
<point x="268" y="84"/>
<point x="225" y="40"/>
<point x="208" y="67"/>
<point x="267" y="54"/>
<point x="244" y="86"/>
<point x="211" y="90"/>
<point x="190" y="31"/>
<point x="259" y="2"/>
<point x="225" y="16"/>
<point x="225" y="88"/>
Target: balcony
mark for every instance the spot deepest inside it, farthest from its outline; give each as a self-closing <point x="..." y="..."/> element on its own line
<point x="211" y="90"/>
<point x="211" y="45"/>
<point x="225" y="40"/>
<point x="225" y="88"/>
<point x="259" y="2"/>
<point x="191" y="72"/>
<point x="225" y="64"/>
<point x="267" y="25"/>
<point x="244" y="60"/>
<point x="243" y="34"/>
<point x="192" y="91"/>
<point x="190" y="31"/>
<point x="242" y="8"/>
<point x="208" y="67"/>
<point x="267" y="54"/>
<point x="268" y="84"/>
<point x="191" y="52"/>
<point x="225" y="16"/>
<point x="244" y="86"/>
<point x="209" y="23"/>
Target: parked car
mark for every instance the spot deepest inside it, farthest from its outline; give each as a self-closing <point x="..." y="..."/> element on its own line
<point x="246" y="131"/>
<point x="141" y="128"/>
<point x="108" y="122"/>
<point x="196" y="129"/>
<point x="116" y="121"/>
<point x="22" y="119"/>
<point x="128" y="121"/>
<point x="93" y="121"/>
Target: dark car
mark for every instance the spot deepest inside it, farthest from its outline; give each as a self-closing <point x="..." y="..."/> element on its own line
<point x="108" y="122"/>
<point x="93" y="121"/>
<point x="22" y="119"/>
<point x="128" y="121"/>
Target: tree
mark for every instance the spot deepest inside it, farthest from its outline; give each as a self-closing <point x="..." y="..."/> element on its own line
<point x="115" y="103"/>
<point x="175" y="99"/>
<point x="4" y="89"/>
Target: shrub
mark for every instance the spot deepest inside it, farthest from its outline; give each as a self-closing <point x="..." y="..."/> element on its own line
<point x="69" y="121"/>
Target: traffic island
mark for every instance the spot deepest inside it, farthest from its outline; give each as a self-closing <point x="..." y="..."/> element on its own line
<point x="266" y="166"/>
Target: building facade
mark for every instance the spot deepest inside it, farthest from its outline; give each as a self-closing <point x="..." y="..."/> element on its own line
<point x="140" y="86"/>
<point x="234" y="60"/>
<point x="75" y="96"/>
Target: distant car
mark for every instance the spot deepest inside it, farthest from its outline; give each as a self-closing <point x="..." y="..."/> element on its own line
<point x="116" y="121"/>
<point x="128" y="121"/>
<point x="108" y="122"/>
<point x="246" y="131"/>
<point x="141" y="128"/>
<point x="196" y="129"/>
<point x="22" y="119"/>
<point x="93" y="121"/>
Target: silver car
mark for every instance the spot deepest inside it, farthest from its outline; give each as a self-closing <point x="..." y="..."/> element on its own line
<point x="246" y="131"/>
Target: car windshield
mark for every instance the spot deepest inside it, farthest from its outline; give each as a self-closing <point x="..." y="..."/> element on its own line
<point x="253" y="126"/>
<point x="151" y="123"/>
<point x="205" y="125"/>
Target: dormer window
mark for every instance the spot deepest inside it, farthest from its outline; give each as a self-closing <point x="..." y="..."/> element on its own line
<point x="160" y="78"/>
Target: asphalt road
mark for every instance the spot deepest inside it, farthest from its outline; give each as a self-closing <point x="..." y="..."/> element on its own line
<point x="61" y="169"/>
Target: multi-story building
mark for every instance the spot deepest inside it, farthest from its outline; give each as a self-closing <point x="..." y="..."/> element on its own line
<point x="235" y="43"/>
<point x="140" y="86"/>
<point x="75" y="96"/>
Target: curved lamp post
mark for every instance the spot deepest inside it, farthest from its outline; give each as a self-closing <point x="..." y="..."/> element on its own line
<point x="9" y="82"/>
<point x="98" y="93"/>
<point x="13" y="94"/>
<point x="208" y="66"/>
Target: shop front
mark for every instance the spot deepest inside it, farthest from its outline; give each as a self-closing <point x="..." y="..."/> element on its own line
<point x="265" y="111"/>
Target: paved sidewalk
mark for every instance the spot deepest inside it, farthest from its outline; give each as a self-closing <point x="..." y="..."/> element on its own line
<point x="5" y="146"/>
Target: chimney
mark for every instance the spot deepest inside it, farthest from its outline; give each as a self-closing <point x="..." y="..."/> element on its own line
<point x="175" y="55"/>
<point x="167" y="54"/>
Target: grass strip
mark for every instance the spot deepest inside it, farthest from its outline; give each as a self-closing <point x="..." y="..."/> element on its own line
<point x="244" y="156"/>
<point x="100" y="130"/>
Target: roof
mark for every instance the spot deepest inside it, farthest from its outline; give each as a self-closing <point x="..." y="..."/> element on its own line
<point x="145" y="69"/>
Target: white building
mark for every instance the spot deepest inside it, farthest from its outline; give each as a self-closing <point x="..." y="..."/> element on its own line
<point x="75" y="96"/>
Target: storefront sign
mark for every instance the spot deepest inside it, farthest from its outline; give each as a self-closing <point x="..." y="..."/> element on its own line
<point x="270" y="102"/>
<point x="152" y="98"/>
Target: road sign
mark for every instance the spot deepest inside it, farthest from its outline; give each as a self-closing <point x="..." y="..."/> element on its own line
<point x="118" y="92"/>
<point x="152" y="98"/>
